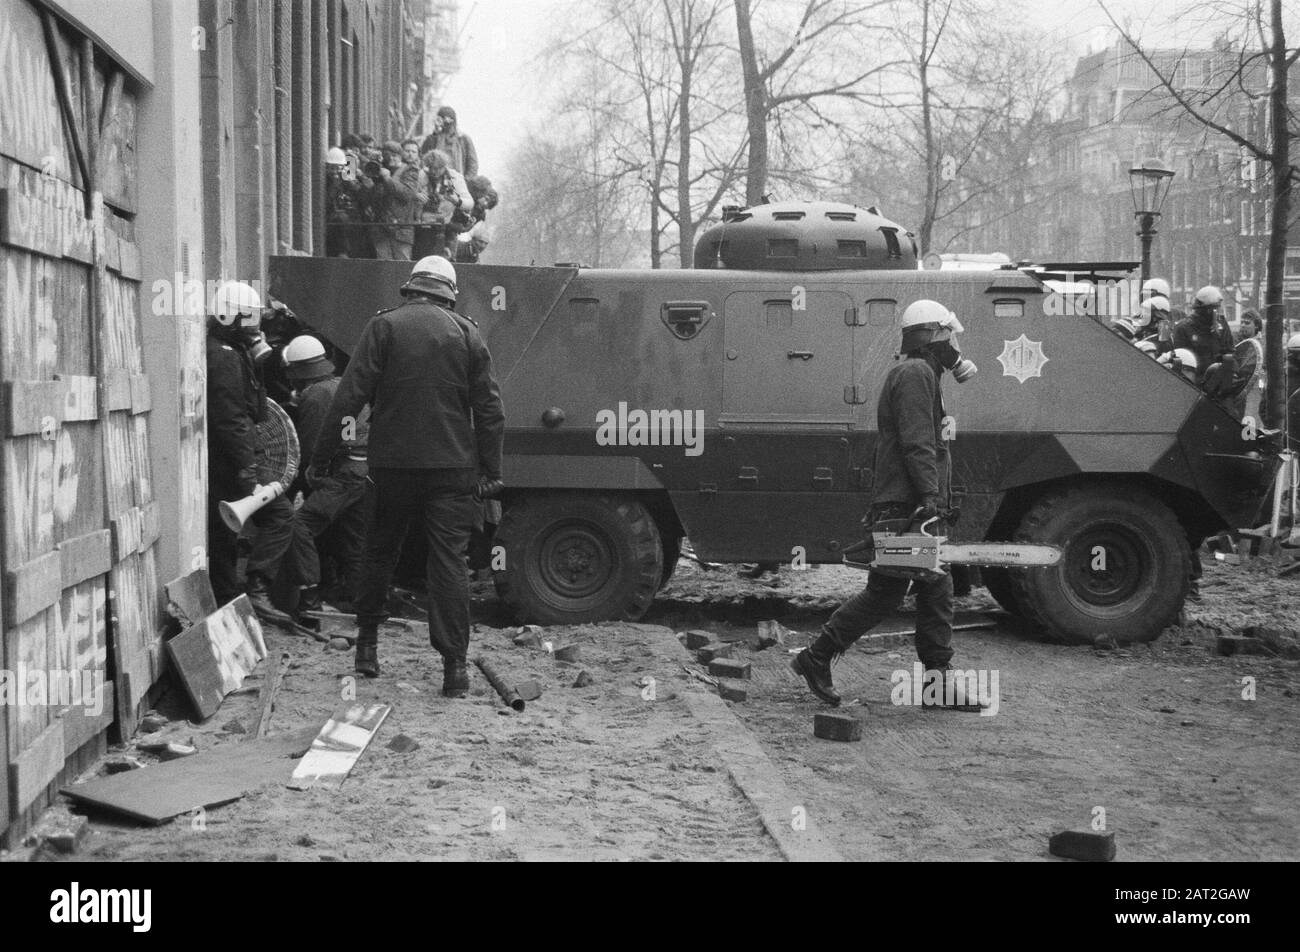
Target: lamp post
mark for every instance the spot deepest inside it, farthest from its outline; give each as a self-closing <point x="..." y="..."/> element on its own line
<point x="1149" y="183"/>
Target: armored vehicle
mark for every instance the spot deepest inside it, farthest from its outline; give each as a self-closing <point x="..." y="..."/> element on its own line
<point x="734" y="404"/>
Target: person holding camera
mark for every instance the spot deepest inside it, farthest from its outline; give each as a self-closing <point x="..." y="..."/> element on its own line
<point x="402" y="189"/>
<point x="446" y="211"/>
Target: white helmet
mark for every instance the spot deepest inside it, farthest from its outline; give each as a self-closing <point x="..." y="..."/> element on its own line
<point x="1156" y="286"/>
<point x="304" y="358"/>
<point x="1208" y="296"/>
<point x="237" y="302"/>
<point x="930" y="312"/>
<point x="1294" y="343"/>
<point x="433" y="275"/>
<point x="335" y="156"/>
<point x="1186" y="360"/>
<point x="1157" y="303"/>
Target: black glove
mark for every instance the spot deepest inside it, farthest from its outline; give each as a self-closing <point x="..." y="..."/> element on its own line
<point x="928" y="509"/>
<point x="488" y="488"/>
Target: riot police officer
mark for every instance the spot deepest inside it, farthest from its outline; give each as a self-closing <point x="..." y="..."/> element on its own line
<point x="236" y="404"/>
<point x="436" y="434"/>
<point x="1207" y="335"/>
<point x="911" y="482"/>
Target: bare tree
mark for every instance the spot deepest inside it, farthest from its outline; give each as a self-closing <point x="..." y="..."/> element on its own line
<point x="1213" y="108"/>
<point x="671" y="126"/>
<point x="799" y="75"/>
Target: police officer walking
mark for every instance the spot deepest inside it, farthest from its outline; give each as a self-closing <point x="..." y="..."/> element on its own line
<point x="436" y="433"/>
<point x="911" y="483"/>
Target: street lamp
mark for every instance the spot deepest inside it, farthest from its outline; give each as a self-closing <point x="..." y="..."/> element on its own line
<point x="1149" y="183"/>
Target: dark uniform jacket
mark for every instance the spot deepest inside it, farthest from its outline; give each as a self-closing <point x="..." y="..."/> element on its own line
<point x="1210" y="345"/>
<point x="427" y="375"/>
<point x="313" y="409"/>
<point x="236" y="404"/>
<point x="911" y="456"/>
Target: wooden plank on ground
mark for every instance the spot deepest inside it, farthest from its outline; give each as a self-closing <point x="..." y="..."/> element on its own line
<point x="85" y="557"/>
<point x="36" y="767"/>
<point x="337" y="747"/>
<point x="32" y="587"/>
<point x="190" y="598"/>
<point x="221" y="775"/>
<point x="214" y="656"/>
<point x="33" y="406"/>
<point x="266" y="696"/>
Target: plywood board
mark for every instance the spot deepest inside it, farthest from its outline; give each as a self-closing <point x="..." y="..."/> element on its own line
<point x="190" y="598"/>
<point x="84" y="557"/>
<point x="221" y="775"/>
<point x="33" y="406"/>
<point x="214" y="656"/>
<point x="339" y="744"/>
<point x="32" y="587"/>
<point x="36" y="767"/>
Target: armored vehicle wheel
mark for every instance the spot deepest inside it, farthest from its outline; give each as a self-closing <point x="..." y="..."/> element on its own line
<point x="573" y="559"/>
<point x="1124" y="570"/>
<point x="998" y="582"/>
<point x="672" y="552"/>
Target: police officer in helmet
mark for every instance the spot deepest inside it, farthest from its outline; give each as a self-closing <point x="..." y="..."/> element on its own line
<point x="435" y="445"/>
<point x="911" y="484"/>
<point x="236" y="405"/>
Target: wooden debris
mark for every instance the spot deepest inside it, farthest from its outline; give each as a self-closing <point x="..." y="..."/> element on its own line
<point x="221" y="775"/>
<point x="266" y="697"/>
<point x="214" y="656"/>
<point x="338" y="746"/>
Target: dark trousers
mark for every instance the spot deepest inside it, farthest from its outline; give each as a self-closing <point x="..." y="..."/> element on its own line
<point x="334" y="514"/>
<point x="282" y="546"/>
<point x="441" y="501"/>
<point x="881" y="598"/>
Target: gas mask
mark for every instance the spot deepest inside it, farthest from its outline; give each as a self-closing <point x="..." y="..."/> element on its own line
<point x="256" y="343"/>
<point x="951" y="360"/>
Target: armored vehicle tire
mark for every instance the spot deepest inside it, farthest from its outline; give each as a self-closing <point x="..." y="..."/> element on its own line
<point x="572" y="558"/>
<point x="1123" y="572"/>
<point x="672" y="552"/>
<point x="998" y="582"/>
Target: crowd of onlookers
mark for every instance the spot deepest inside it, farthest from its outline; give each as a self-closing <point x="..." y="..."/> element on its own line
<point x="404" y="200"/>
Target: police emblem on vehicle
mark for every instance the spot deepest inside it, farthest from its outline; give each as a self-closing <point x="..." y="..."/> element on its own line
<point x="1022" y="358"/>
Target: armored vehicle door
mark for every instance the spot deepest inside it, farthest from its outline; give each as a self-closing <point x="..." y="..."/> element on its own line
<point x="789" y="357"/>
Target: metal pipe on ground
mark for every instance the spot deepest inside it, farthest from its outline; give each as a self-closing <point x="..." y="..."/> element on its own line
<point x="508" y="694"/>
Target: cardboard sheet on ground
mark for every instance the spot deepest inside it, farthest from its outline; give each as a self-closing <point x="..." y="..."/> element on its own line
<point x="214" y="656"/>
<point x="222" y="775"/>
<point x="336" y="748"/>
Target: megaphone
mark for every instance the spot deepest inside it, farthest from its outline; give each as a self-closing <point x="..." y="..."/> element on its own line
<point x="235" y="514"/>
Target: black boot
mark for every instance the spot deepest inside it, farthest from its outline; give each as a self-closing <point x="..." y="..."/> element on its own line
<point x="259" y="596"/>
<point x="367" y="662"/>
<point x="813" y="664"/>
<point x="455" y="678"/>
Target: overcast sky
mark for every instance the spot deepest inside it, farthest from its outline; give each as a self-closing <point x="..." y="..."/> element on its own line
<point x="498" y="90"/>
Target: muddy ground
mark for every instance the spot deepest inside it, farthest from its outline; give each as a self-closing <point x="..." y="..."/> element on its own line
<point x="1159" y="736"/>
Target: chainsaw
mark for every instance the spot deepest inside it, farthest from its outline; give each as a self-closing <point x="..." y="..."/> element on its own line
<point x="892" y="549"/>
